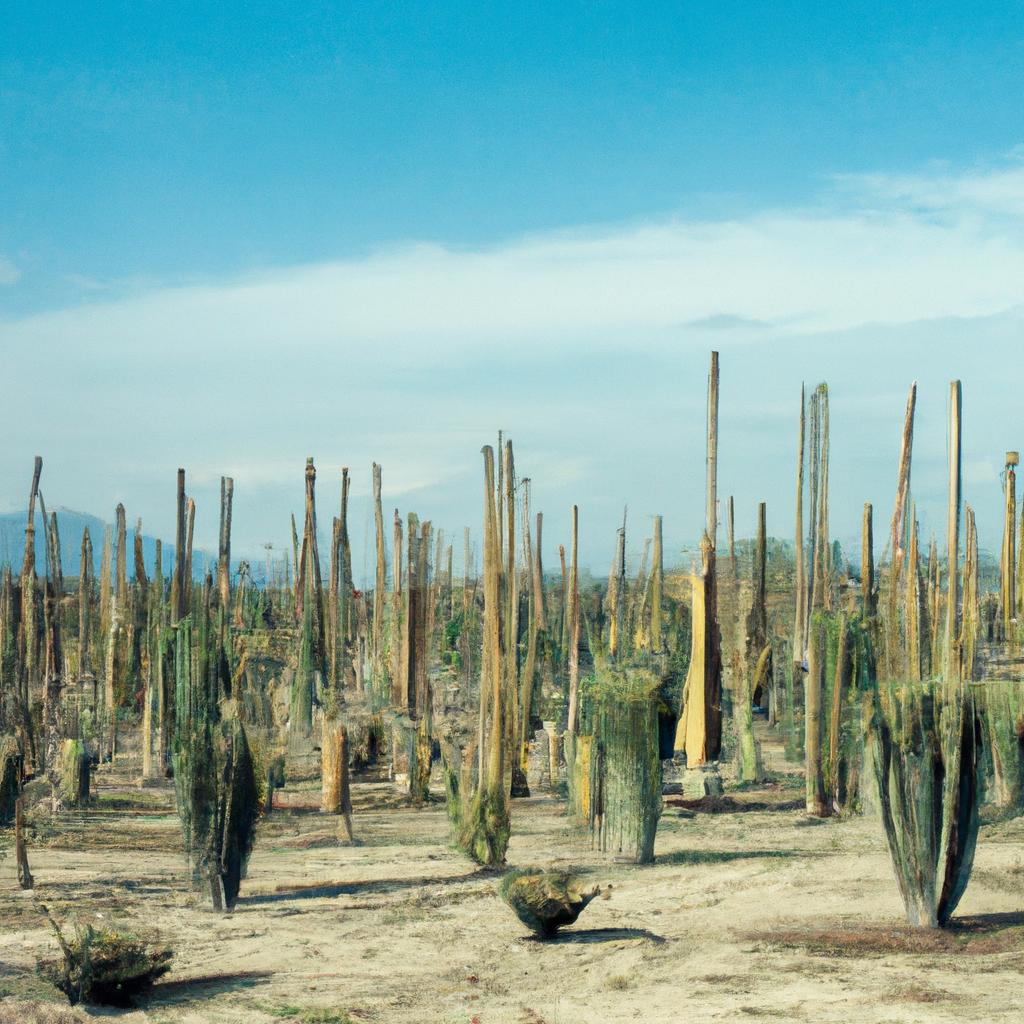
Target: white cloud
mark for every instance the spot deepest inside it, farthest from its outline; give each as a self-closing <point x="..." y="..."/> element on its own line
<point x="991" y="192"/>
<point x="803" y="270"/>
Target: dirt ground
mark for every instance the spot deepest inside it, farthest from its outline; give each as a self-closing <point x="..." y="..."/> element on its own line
<point x="751" y="913"/>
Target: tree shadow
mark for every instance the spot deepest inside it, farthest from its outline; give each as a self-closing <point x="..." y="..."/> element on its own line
<point x="691" y="857"/>
<point x="730" y="805"/>
<point x="979" y="924"/>
<point x="380" y="885"/>
<point x="968" y="936"/>
<point x="205" y="986"/>
<point x="597" y="935"/>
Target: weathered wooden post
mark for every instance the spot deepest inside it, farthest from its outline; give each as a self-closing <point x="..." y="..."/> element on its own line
<point x="868" y="595"/>
<point x="953" y="652"/>
<point x="510" y="577"/>
<point x="310" y="604"/>
<point x="520" y="785"/>
<point x="85" y="588"/>
<point x="380" y="675"/>
<point x="227" y="490"/>
<point x="657" y="585"/>
<point x="53" y="656"/>
<point x="28" y="630"/>
<point x="1008" y="563"/>
<point x="573" y="617"/>
<point x="820" y="607"/>
<point x="20" y="847"/>
<point x="699" y="733"/>
<point x="179" y="582"/>
<point x="757" y="663"/>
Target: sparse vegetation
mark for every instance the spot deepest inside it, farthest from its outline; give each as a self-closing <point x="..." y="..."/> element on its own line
<point x="288" y="714"/>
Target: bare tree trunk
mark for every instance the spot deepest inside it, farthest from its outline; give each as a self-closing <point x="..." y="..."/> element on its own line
<point x="1009" y="561"/>
<point x="380" y="585"/>
<point x="574" y="627"/>
<point x="817" y="804"/>
<point x="700" y="728"/>
<point x="712" y="454"/>
<point x="953" y="534"/>
<point x="20" y="849"/>
<point x="657" y="588"/>
<point x="345" y="836"/>
<point x="29" y="626"/>
<point x="179" y="589"/>
<point x="867" y="564"/>
<point x="84" y="605"/>
<point x="800" y="619"/>
<point x="227" y="488"/>
<point x="899" y="516"/>
<point x="190" y="513"/>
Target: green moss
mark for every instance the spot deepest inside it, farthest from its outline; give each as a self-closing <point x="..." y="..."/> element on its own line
<point x="486" y="827"/>
<point x="74" y="773"/>
<point x="625" y="763"/>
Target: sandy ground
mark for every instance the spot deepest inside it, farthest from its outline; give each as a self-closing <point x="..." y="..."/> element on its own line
<point x="749" y="914"/>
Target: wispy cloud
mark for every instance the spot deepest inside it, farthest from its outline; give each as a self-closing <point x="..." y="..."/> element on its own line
<point x="995" y="192"/>
<point x="821" y="268"/>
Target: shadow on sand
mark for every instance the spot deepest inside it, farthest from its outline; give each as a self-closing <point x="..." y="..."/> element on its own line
<point x="691" y="857"/>
<point x="381" y="885"/>
<point x="204" y="986"/>
<point x="598" y="935"/>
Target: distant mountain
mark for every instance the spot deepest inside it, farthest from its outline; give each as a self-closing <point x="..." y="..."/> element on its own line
<point x="70" y="526"/>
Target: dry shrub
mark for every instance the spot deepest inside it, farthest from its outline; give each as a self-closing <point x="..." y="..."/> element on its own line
<point x="104" y="966"/>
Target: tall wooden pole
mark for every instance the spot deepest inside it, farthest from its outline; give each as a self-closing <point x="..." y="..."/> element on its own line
<point x="1009" y="558"/>
<point x="379" y="587"/>
<point x="699" y="731"/>
<point x="953" y="535"/>
<point x="227" y="490"/>
<point x="898" y="535"/>
<point x="711" y="511"/>
<point x="732" y="537"/>
<point x="867" y="563"/>
<point x="574" y="626"/>
<point x="657" y="587"/>
<point x="800" y="618"/>
<point x="85" y="574"/>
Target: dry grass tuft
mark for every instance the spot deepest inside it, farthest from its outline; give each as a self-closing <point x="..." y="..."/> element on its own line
<point x="920" y="994"/>
<point x="35" y="1011"/>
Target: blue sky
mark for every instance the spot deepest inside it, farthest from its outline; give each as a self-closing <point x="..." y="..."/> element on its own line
<point x="539" y="217"/>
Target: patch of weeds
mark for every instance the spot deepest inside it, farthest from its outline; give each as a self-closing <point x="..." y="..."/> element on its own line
<point x="620" y="982"/>
<point x="977" y="936"/>
<point x="317" y="1015"/>
<point x="919" y="994"/>
<point x="403" y="915"/>
<point x="809" y="822"/>
<point x="691" y="857"/>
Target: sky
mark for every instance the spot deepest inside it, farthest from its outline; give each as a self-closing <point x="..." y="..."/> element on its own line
<point x="232" y="236"/>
